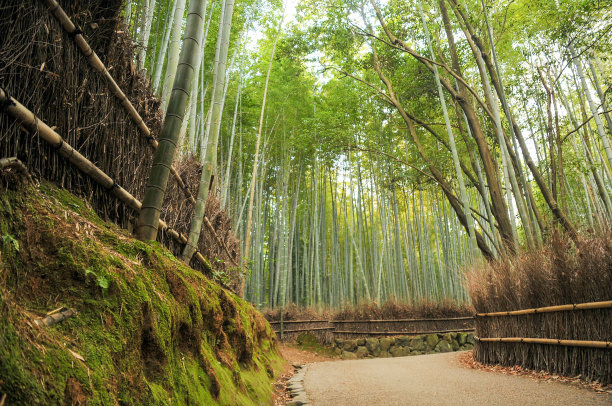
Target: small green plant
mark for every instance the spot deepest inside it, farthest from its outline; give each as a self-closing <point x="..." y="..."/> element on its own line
<point x="101" y="280"/>
<point x="11" y="241"/>
<point x="221" y="277"/>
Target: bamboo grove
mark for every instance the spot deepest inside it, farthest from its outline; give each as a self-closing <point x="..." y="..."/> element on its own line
<point x="372" y="150"/>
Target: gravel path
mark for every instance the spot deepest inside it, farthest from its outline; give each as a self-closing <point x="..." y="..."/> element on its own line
<point x="437" y="379"/>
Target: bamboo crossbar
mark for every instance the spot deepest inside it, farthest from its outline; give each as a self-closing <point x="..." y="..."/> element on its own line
<point x="46" y="133"/>
<point x="550" y="309"/>
<point x="569" y="343"/>
<point x="399" y="333"/>
<point x="402" y="320"/>
<point x="298" y="321"/>
<point x="96" y="63"/>
<point x="298" y="330"/>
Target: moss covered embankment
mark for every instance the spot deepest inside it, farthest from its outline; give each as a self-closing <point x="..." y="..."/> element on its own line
<point x="148" y="329"/>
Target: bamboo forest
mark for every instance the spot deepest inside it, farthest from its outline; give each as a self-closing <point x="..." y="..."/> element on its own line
<point x="374" y="150"/>
<point x="216" y="201"/>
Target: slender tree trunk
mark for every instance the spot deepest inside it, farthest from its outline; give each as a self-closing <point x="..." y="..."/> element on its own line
<point x="210" y="160"/>
<point x="164" y="154"/>
<point x="255" y="159"/>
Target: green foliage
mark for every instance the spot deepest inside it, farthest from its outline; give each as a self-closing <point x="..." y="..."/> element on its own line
<point x="11" y="241"/>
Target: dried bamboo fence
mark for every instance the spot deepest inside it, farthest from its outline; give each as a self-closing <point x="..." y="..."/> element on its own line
<point x="349" y="329"/>
<point x="45" y="65"/>
<point x="570" y="340"/>
<point x="36" y="126"/>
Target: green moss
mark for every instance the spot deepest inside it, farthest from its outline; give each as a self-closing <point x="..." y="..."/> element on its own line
<point x="308" y="342"/>
<point x="149" y="330"/>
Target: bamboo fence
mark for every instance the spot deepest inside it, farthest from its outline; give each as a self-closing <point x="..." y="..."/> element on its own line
<point x="522" y="337"/>
<point x="96" y="63"/>
<point x="387" y="327"/>
<point x="46" y="133"/>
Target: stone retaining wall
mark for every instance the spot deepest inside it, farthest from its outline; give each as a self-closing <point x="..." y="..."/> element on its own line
<point x="402" y="346"/>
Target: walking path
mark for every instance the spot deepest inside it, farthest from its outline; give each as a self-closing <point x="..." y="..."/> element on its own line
<point x="437" y="379"/>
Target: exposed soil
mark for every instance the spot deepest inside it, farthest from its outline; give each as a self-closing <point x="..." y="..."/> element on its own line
<point x="294" y="356"/>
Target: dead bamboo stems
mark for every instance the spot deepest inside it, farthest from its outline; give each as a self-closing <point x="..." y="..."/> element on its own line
<point x="550" y="309"/>
<point x="550" y="341"/>
<point x="28" y="120"/>
<point x="219" y="240"/>
<point x="76" y="34"/>
<point x="55" y="317"/>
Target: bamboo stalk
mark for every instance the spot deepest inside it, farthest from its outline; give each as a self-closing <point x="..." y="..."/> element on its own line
<point x="549" y="309"/>
<point x="36" y="126"/>
<point x="568" y="343"/>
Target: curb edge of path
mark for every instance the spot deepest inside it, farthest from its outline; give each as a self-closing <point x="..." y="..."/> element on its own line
<point x="296" y="387"/>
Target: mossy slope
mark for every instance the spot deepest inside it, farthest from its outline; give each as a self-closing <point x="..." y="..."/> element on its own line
<point x="149" y="330"/>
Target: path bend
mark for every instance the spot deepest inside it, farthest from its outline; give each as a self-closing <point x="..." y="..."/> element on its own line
<point x="437" y="379"/>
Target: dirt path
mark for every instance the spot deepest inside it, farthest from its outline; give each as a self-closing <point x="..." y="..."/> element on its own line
<point x="437" y="379"/>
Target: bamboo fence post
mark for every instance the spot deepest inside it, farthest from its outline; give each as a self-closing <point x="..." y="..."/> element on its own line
<point x="36" y="126"/>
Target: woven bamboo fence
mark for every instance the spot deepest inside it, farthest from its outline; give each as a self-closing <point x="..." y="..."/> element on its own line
<point x="348" y="329"/>
<point x="570" y="340"/>
<point x="103" y="110"/>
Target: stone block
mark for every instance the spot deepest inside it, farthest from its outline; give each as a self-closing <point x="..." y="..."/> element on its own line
<point x="402" y="341"/>
<point x="417" y="344"/>
<point x="444" y="346"/>
<point x="399" y="351"/>
<point x="350" y="345"/>
<point x="348" y="355"/>
<point x="431" y="340"/>
<point x="385" y="343"/>
<point x="361" y="352"/>
<point x="372" y="344"/>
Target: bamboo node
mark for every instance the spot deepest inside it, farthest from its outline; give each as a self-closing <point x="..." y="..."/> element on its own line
<point x="76" y="32"/>
<point x="6" y="101"/>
